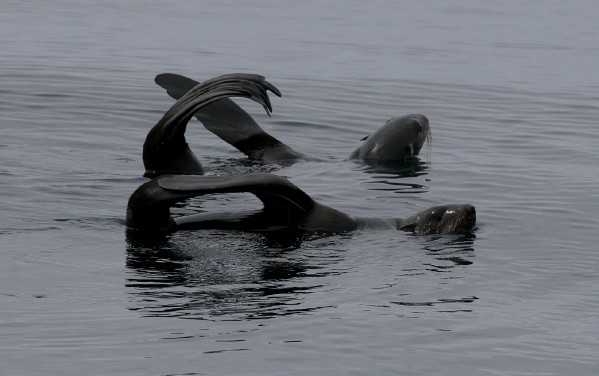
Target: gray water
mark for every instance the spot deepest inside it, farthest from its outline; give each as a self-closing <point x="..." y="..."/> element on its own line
<point x="512" y="93"/>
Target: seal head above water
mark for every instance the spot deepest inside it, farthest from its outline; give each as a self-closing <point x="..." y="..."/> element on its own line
<point x="398" y="139"/>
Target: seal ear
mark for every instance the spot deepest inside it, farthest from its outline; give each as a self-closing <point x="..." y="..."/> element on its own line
<point x="365" y="138"/>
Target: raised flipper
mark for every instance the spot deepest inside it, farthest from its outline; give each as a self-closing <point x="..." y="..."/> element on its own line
<point x="232" y="124"/>
<point x="176" y="86"/>
<point x="165" y="149"/>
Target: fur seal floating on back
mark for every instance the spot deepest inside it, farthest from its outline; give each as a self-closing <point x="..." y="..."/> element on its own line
<point x="286" y="207"/>
<point x="165" y="149"/>
<point x="396" y="140"/>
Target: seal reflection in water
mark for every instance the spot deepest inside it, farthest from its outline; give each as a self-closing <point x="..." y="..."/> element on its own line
<point x="286" y="207"/>
<point x="396" y="140"/>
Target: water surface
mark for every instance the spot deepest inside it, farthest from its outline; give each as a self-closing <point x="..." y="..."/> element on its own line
<point x="512" y="94"/>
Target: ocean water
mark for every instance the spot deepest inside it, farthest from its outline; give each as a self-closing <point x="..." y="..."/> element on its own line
<point x="512" y="93"/>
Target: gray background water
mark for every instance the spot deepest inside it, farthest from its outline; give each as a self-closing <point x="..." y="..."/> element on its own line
<point x="511" y="90"/>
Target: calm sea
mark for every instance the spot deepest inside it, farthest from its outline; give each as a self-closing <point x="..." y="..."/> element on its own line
<point x="512" y="93"/>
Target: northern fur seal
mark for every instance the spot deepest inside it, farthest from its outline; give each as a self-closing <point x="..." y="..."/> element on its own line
<point x="286" y="207"/>
<point x="165" y="149"/>
<point x="397" y="139"/>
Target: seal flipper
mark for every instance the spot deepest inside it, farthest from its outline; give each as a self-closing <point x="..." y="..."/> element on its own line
<point x="176" y="85"/>
<point x="283" y="201"/>
<point x="165" y="149"/>
<point x="285" y="205"/>
<point x="232" y="124"/>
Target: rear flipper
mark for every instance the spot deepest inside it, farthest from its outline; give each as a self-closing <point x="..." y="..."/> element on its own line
<point x="165" y="149"/>
<point x="232" y="124"/>
<point x="285" y="205"/>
